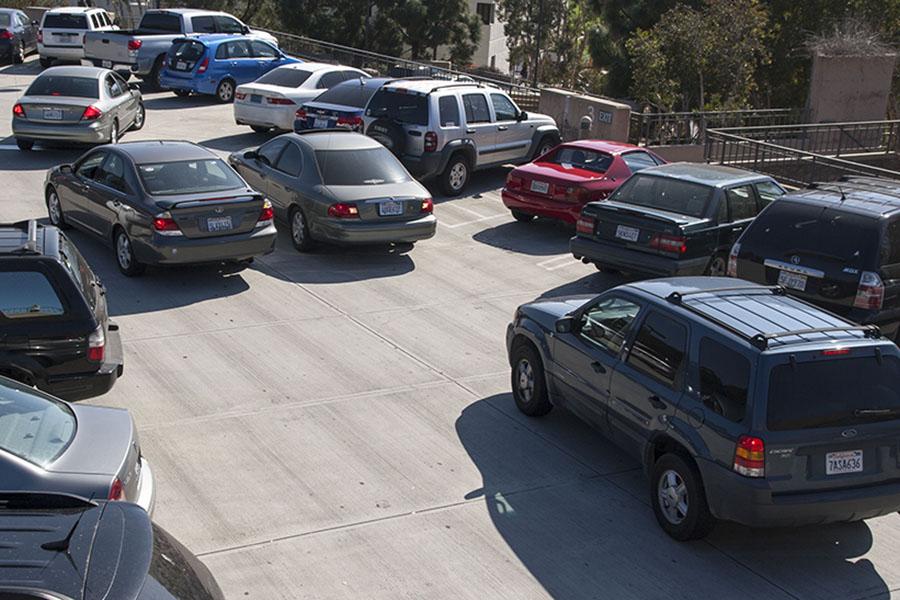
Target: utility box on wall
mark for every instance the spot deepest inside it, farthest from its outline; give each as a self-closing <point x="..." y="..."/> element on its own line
<point x="583" y="116"/>
<point x="850" y="88"/>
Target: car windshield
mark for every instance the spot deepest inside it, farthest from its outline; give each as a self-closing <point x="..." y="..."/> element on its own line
<point x="188" y="177"/>
<point x="5" y="20"/>
<point x="34" y="427"/>
<point x="64" y="21"/>
<point x="61" y="85"/>
<point x="833" y="393"/>
<point x="663" y="193"/>
<point x="349" y="93"/>
<point x="399" y="106"/>
<point x="285" y="77"/>
<point x="360" y="167"/>
<point x="580" y="158"/>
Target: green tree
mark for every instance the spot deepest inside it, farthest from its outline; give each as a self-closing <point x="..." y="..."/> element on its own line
<point x="426" y="25"/>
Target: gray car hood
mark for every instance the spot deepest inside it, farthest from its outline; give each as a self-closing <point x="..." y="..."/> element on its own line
<point x="103" y="437"/>
<point x="358" y="193"/>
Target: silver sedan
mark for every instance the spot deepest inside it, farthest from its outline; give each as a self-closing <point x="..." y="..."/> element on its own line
<point x="77" y="104"/>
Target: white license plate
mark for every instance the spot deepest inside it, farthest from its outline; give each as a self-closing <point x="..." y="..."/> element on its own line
<point x="850" y="461"/>
<point x="320" y="123"/>
<point x="390" y="208"/>
<point x="218" y="224"/>
<point x="107" y="64"/>
<point x="53" y="114"/>
<point x="181" y="65"/>
<point x="629" y="234"/>
<point x="541" y="187"/>
<point x="793" y="281"/>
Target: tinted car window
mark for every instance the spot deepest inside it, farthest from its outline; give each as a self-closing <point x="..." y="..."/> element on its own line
<point x="188" y="51"/>
<point x="724" y="380"/>
<point x="659" y="348"/>
<point x="240" y="49"/>
<point x="112" y="173"/>
<point x="607" y="323"/>
<point x="330" y="79"/>
<point x="262" y="50"/>
<point x="203" y="24"/>
<point x="226" y="24"/>
<point x="161" y="22"/>
<point x="65" y="21"/>
<point x="833" y="393"/>
<point x="571" y="156"/>
<point x="58" y="85"/>
<point x="114" y="86"/>
<point x="285" y="77"/>
<point x="77" y="268"/>
<point x="892" y="254"/>
<point x="28" y="294"/>
<point x="360" y="167"/>
<point x="638" y="160"/>
<point x="90" y="166"/>
<point x="741" y="203"/>
<point x="476" y="108"/>
<point x="768" y="191"/>
<point x="662" y="193"/>
<point x="449" y="109"/>
<point x="270" y="150"/>
<point x="291" y="160"/>
<point x="188" y="177"/>
<point x="33" y="427"/>
<point x="404" y="108"/>
<point x="349" y="93"/>
<point x="504" y="109"/>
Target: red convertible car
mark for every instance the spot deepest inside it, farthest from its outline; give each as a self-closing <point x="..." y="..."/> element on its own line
<point x="560" y="182"/>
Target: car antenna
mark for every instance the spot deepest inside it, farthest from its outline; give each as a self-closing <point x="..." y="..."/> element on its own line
<point x="841" y="190"/>
<point x="63" y="544"/>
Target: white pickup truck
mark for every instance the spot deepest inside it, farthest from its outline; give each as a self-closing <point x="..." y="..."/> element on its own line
<point x="142" y="51"/>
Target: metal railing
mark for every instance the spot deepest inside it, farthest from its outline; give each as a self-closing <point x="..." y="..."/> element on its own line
<point x="832" y="139"/>
<point x="675" y="128"/>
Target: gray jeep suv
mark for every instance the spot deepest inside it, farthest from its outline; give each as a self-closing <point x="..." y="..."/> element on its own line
<point x="446" y="129"/>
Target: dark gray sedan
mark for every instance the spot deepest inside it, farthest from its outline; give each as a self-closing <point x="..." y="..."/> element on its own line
<point x="161" y="203"/>
<point x="48" y="445"/>
<point x="338" y="186"/>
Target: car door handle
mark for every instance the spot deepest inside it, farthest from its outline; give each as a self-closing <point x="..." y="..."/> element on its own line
<point x="470" y="130"/>
<point x="598" y="367"/>
<point x="741" y="228"/>
<point x="502" y="127"/>
<point x="656" y="403"/>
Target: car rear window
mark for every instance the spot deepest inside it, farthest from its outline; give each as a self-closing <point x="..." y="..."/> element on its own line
<point x="570" y="156"/>
<point x="399" y="106"/>
<point x="662" y="193"/>
<point x="285" y="77"/>
<point x="77" y="268"/>
<point x="187" y="50"/>
<point x="161" y="22"/>
<point x="349" y="93"/>
<point x="64" y="21"/>
<point x="892" y="244"/>
<point x="5" y="19"/>
<point x="833" y="393"/>
<point x="33" y="427"/>
<point x="360" y="167"/>
<point x="188" y="177"/>
<point x="27" y="295"/>
<point x="58" y="85"/>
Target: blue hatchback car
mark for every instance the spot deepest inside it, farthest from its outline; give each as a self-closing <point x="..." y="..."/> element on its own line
<point x="216" y="64"/>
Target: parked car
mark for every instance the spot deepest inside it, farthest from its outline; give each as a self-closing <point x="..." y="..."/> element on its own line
<point x="675" y="219"/>
<point x="559" y="183"/>
<point x="217" y="64"/>
<point x="161" y="203"/>
<point x="143" y="50"/>
<point x="338" y="186"/>
<point x="341" y="106"/>
<point x="836" y="245"/>
<point x="742" y="403"/>
<point x="77" y="104"/>
<point x="49" y="445"/>
<point x="56" y="332"/>
<point x="89" y="549"/>
<point x="18" y="35"/>
<point x="446" y="129"/>
<point x="63" y="30"/>
<point x="272" y="100"/>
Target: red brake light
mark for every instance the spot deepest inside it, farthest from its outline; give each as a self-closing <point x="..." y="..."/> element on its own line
<point x="836" y="352"/>
<point x="300" y="114"/>
<point x="280" y="101"/>
<point x="40" y="36"/>
<point x="514" y="182"/>
<point x="116" y="490"/>
<point x="266" y="214"/>
<point x="203" y="65"/>
<point x="343" y="210"/>
<point x="96" y="345"/>
<point x="135" y="44"/>
<point x="669" y="243"/>
<point x="585" y="225"/>
<point x="750" y="457"/>
<point x="430" y="141"/>
<point x="354" y="123"/>
<point x="427" y="205"/>
<point x="6" y="35"/>
<point x="91" y="113"/>
<point x="561" y="192"/>
<point x="732" y="260"/>
<point x="164" y="224"/>
<point x="19" y="111"/>
<point x="870" y="293"/>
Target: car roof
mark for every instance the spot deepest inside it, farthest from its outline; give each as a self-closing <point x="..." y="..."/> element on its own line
<point x="426" y="86"/>
<point x="862" y="195"/>
<point x="188" y="11"/>
<point x="163" y="151"/>
<point x="334" y="139"/>
<point x="218" y="38"/>
<point x="313" y="66"/>
<point x="764" y="316"/>
<point x="704" y="174"/>
<point x="75" y="71"/>
<point x="608" y="146"/>
<point x="72" y="9"/>
<point x="15" y="239"/>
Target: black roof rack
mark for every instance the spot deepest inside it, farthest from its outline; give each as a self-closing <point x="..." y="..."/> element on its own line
<point x="30" y="227"/>
<point x="777" y="290"/>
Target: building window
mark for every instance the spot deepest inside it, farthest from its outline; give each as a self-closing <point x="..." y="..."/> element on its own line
<point x="485" y="10"/>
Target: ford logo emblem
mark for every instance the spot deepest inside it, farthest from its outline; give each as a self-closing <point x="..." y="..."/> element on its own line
<point x="848" y="433"/>
<point x="795" y="259"/>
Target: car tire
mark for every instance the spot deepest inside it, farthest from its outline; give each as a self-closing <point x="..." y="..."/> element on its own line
<point x="25" y="145"/>
<point x="46" y="63"/>
<point x="225" y="91"/>
<point x="152" y="78"/>
<point x="528" y="384"/>
<point x="300" y="231"/>
<point x="260" y="129"/>
<point x="547" y="143"/>
<point x="140" y="117"/>
<point x="125" y="259"/>
<point x="54" y="210"/>
<point x="18" y="54"/>
<point x="717" y="267"/>
<point x="522" y="217"/>
<point x="455" y="176"/>
<point x="114" y="132"/>
<point x="679" y="500"/>
<point x="181" y="93"/>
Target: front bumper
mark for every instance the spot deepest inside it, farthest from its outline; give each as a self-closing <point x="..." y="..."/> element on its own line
<point x="180" y="250"/>
<point x="629" y="260"/>
<point x="751" y="502"/>
<point x="146" y="488"/>
<point x="280" y="117"/>
<point x="95" y="132"/>
<point x="96" y="383"/>
<point x="346" y="232"/>
<point x="541" y="206"/>
<point x="61" y="52"/>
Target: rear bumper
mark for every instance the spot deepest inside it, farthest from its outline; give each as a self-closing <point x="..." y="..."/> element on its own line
<point x="146" y="488"/>
<point x="425" y="166"/>
<point x="733" y="497"/>
<point x="180" y="250"/>
<point x="90" y="133"/>
<point x="541" y="206"/>
<point x="197" y="85"/>
<point x="6" y="48"/>
<point x="625" y="259"/>
<point x="333" y="230"/>
<point x="96" y="383"/>
<point x="61" y="52"/>
<point x="281" y="117"/>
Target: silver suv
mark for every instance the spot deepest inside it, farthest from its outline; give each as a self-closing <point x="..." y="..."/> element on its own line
<point x="446" y="129"/>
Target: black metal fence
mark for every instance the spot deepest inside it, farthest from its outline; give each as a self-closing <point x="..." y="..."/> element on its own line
<point x="666" y="129"/>
<point x="832" y="139"/>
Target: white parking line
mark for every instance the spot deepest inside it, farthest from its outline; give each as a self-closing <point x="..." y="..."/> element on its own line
<point x="558" y="262"/>
<point x="464" y="223"/>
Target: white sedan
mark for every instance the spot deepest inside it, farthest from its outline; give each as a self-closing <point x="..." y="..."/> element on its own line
<point x="271" y="101"/>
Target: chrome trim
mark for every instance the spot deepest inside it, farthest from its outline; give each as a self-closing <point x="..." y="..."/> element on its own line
<point x="783" y="266"/>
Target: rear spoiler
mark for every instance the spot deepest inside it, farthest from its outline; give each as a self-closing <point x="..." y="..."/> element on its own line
<point x="650" y="214"/>
<point x="235" y="199"/>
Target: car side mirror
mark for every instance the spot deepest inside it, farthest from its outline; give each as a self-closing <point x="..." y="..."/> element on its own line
<point x="522" y="116"/>
<point x="67" y="169"/>
<point x="251" y="155"/>
<point x="134" y="85"/>
<point x="565" y="324"/>
<point x="245" y="30"/>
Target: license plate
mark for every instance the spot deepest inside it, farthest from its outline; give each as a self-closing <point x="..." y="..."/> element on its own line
<point x="629" y="234"/>
<point x="107" y="64"/>
<point x="320" y="123"/>
<point x="255" y="98"/>
<point x="181" y="65"/>
<point x="541" y="187"/>
<point x="793" y="281"/>
<point x="390" y="208"/>
<point x="850" y="461"/>
<point x="218" y="224"/>
<point x="53" y="114"/>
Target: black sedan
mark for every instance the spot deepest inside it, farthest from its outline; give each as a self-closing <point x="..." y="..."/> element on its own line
<point x="18" y="35"/>
<point x="161" y="203"/>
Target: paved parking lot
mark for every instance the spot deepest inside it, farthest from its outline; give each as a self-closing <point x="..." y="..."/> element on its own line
<point x="338" y="425"/>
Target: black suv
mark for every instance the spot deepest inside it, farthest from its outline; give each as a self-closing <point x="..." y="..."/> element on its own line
<point x="54" y="329"/>
<point x="65" y="547"/>
<point x="742" y="403"/>
<point x="836" y="245"/>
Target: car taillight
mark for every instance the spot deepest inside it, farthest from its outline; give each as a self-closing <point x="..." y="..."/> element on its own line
<point x="870" y="292"/>
<point x="513" y="182"/>
<point x="427" y="206"/>
<point x="343" y="210"/>
<point x="280" y="101"/>
<point x="203" y="65"/>
<point x="164" y="224"/>
<point x="430" y="141"/>
<point x="561" y="192"/>
<point x="354" y="123"/>
<point x="6" y="35"/>
<point x="91" y="113"/>
<point x="750" y="457"/>
<point x="669" y="243"/>
<point x="300" y="114"/>
<point x="240" y="95"/>
<point x="116" y="490"/>
<point x="19" y="111"/>
<point x="96" y="345"/>
<point x="135" y="44"/>
<point x="732" y="260"/>
<point x="40" y="36"/>
<point x="585" y="224"/>
<point x="266" y="215"/>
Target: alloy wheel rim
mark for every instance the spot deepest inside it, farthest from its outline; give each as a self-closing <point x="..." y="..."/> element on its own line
<point x="673" y="497"/>
<point x="297" y="225"/>
<point x="457" y="175"/>
<point x="545" y="149"/>
<point x="21" y="52"/>
<point x="53" y="208"/>
<point x="139" y="117"/>
<point x="123" y="251"/>
<point x="525" y="380"/>
<point x="114" y="133"/>
<point x="225" y="91"/>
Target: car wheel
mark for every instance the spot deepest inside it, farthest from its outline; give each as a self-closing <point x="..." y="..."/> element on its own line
<point x="46" y="63"/>
<point x="225" y="91"/>
<point x="125" y="259"/>
<point x="55" y="211"/>
<point x="152" y="79"/>
<point x="18" y="54"/>
<point x="300" y="231"/>
<point x="260" y="129"/>
<point x="181" y="93"/>
<point x="678" y="498"/>
<point x="25" y="145"/>
<point x="718" y="266"/>
<point x="139" y="117"/>
<point x="523" y="217"/>
<point x="528" y="385"/>
<point x="114" y="132"/>
<point x="547" y="143"/>
<point x="455" y="175"/>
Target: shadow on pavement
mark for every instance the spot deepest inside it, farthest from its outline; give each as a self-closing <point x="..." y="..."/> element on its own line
<point x="541" y="237"/>
<point x="481" y="182"/>
<point x="41" y="158"/>
<point x="593" y="283"/>
<point x="169" y="101"/>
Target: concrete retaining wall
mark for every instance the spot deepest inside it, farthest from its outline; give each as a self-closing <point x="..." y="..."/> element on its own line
<point x="610" y="118"/>
<point x="680" y="153"/>
<point x="850" y="88"/>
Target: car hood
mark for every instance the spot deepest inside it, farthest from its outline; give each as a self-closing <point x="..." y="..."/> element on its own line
<point x="103" y="438"/>
<point x="358" y="193"/>
<point x="558" y="172"/>
<point x="534" y="116"/>
<point x="547" y="311"/>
